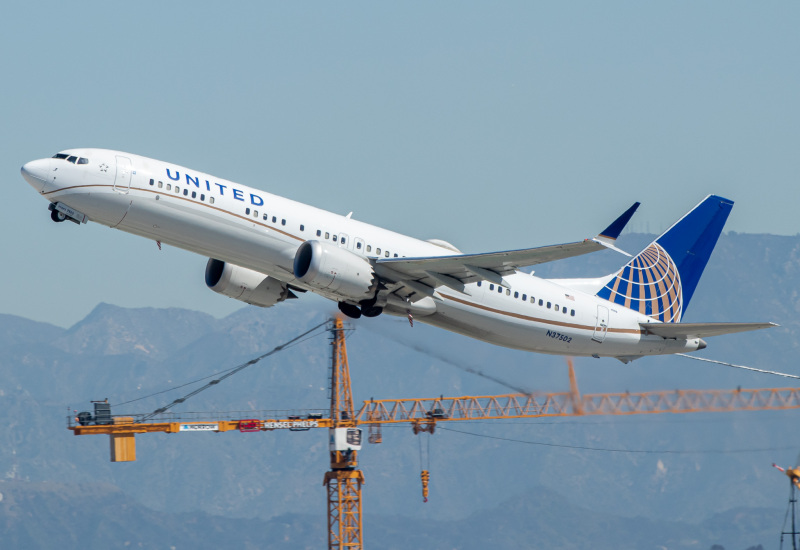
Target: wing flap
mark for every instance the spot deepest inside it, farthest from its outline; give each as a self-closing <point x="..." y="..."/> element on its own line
<point x="700" y="330"/>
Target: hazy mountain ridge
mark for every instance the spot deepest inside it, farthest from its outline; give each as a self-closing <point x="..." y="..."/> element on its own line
<point x="81" y="516"/>
<point x="125" y="354"/>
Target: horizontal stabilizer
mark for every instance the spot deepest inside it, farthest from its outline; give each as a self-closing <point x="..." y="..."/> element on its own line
<point x="699" y="330"/>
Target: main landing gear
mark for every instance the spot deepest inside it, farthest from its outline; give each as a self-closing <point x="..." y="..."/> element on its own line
<point x="367" y="309"/>
<point x="350" y="310"/>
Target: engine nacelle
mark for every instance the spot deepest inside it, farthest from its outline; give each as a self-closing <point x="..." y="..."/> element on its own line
<point x="244" y="284"/>
<point x="335" y="270"/>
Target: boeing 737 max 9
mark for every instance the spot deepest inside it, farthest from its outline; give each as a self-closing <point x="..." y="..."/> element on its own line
<point x="264" y="248"/>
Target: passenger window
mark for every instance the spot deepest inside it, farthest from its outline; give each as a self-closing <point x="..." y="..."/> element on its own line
<point x="247" y="211"/>
<point x="572" y="312"/>
<point x="378" y="250"/>
<point x="211" y="200"/>
<point x="334" y="238"/>
<point x="369" y="248"/>
<point x="548" y="305"/>
<point x="358" y="245"/>
<point x="177" y="189"/>
<point x="72" y="159"/>
<point x="202" y="197"/>
<point x="395" y="255"/>
<point x="169" y="187"/>
<point x="541" y="302"/>
<point x="327" y="235"/>
<point x="499" y="289"/>
<point x="152" y="181"/>
<point x="160" y="184"/>
<point x="274" y="219"/>
<point x="491" y="287"/>
<point x="283" y="222"/>
<point x="343" y="239"/>
<point x="265" y="216"/>
<point x="185" y="192"/>
<point x="302" y="227"/>
<point x="508" y="292"/>
<point x="386" y="254"/>
<point x="255" y="213"/>
<point x="194" y="194"/>
<point x="556" y="307"/>
<point x="516" y="294"/>
<point x="524" y="298"/>
<point x="319" y="233"/>
<point x="479" y="283"/>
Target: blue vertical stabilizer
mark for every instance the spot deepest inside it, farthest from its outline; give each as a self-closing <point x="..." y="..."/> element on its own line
<point x="661" y="280"/>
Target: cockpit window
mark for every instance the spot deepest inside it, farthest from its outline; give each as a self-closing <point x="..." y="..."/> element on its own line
<point x="72" y="159"/>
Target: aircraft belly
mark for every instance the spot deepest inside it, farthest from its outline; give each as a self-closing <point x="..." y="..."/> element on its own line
<point x="210" y="234"/>
<point x="510" y="331"/>
<point x="106" y="208"/>
<point x="498" y="329"/>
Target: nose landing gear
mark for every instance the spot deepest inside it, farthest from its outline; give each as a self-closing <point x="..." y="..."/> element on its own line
<point x="60" y="212"/>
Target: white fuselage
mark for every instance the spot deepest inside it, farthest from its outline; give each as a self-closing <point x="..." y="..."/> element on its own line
<point x="257" y="230"/>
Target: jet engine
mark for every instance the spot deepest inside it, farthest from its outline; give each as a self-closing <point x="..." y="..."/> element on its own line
<point x="335" y="270"/>
<point x="245" y="284"/>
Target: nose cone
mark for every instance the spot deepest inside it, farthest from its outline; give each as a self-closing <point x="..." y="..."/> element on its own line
<point x="35" y="173"/>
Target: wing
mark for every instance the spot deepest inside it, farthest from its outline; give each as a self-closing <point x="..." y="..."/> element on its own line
<point x="422" y="275"/>
<point x="699" y="330"/>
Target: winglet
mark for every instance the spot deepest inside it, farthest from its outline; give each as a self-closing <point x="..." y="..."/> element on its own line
<point x="610" y="233"/>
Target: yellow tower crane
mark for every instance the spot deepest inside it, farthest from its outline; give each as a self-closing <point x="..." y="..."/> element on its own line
<point x="344" y="480"/>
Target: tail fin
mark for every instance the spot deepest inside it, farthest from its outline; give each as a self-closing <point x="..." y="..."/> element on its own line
<point x="661" y="280"/>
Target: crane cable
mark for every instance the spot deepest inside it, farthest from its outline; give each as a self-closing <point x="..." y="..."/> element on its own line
<point x="228" y="373"/>
<point x="739" y="366"/>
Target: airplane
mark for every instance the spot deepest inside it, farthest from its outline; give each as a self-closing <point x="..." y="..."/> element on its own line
<point x="264" y="249"/>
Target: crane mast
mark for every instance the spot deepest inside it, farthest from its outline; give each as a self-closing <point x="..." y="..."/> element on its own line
<point x="344" y="479"/>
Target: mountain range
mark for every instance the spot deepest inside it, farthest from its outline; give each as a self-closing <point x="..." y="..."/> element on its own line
<point x="674" y="481"/>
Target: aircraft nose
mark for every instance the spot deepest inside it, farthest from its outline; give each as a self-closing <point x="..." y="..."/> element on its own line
<point x="35" y="172"/>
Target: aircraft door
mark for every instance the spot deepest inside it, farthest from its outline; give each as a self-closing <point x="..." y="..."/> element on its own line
<point x="601" y="328"/>
<point x="122" y="181"/>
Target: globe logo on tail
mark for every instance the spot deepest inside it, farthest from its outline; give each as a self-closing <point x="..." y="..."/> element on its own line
<point x="649" y="284"/>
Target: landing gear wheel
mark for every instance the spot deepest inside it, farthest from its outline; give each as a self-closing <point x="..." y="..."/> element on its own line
<point x="371" y="311"/>
<point x="57" y="216"/>
<point x="350" y="310"/>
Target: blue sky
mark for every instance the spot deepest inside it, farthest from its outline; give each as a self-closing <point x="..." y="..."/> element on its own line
<point x="490" y="125"/>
